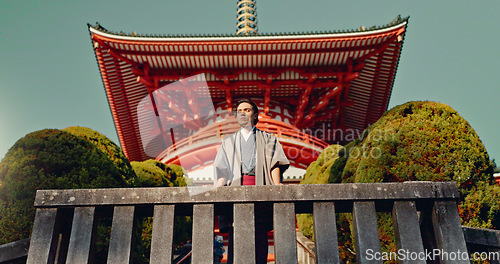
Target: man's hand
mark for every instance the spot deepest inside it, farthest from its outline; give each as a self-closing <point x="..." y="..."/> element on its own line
<point x="221" y="182"/>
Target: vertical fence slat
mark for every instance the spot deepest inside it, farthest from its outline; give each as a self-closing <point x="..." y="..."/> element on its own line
<point x="448" y="231"/>
<point x="82" y="231"/>
<point x="44" y="237"/>
<point x="120" y="244"/>
<point x="285" y="241"/>
<point x="325" y="233"/>
<point x="407" y="230"/>
<point x="244" y="234"/>
<point x="163" y="234"/>
<point x="203" y="234"/>
<point x="365" y="232"/>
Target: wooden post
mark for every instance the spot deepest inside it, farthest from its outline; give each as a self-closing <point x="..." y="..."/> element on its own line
<point x="366" y="232"/>
<point x="203" y="234"/>
<point x="448" y="231"/>
<point x="44" y="237"/>
<point x="244" y="234"/>
<point x="82" y="232"/>
<point x="407" y="231"/>
<point x="285" y="245"/>
<point x="120" y="243"/>
<point x="325" y="233"/>
<point x="163" y="234"/>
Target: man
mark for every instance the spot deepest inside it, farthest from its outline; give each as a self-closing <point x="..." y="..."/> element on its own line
<point x="250" y="157"/>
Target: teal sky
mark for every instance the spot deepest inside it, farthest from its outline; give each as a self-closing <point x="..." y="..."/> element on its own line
<point x="49" y="76"/>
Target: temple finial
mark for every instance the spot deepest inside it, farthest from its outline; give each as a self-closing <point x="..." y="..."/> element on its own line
<point x="246" y="18"/>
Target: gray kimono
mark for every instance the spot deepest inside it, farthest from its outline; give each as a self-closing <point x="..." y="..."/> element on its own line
<point x="269" y="155"/>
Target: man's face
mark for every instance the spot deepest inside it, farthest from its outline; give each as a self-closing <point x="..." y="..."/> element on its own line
<point x="245" y="114"/>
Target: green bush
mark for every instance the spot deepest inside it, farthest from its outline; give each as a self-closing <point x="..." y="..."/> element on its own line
<point x="78" y="157"/>
<point x="416" y="141"/>
<point x="47" y="159"/>
<point x="318" y="171"/>
<point x="108" y="147"/>
<point x="420" y="141"/>
<point x="481" y="208"/>
<point x="153" y="173"/>
<point x="428" y="141"/>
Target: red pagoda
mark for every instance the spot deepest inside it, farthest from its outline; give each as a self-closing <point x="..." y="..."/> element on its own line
<point x="313" y="89"/>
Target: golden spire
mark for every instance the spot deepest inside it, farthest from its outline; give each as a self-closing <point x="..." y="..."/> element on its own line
<point x="246" y="18"/>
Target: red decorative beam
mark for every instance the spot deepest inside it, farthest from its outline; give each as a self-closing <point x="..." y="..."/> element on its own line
<point x="322" y="102"/>
<point x="304" y="99"/>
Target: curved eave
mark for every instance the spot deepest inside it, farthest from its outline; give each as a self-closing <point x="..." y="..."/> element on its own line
<point x="398" y="22"/>
<point x="246" y="38"/>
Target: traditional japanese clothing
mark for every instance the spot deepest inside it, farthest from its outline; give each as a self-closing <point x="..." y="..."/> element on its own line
<point x="268" y="155"/>
<point x="241" y="158"/>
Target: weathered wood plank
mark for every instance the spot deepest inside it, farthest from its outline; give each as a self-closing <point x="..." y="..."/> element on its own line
<point x="407" y="230"/>
<point x="244" y="234"/>
<point x="44" y="237"/>
<point x="285" y="245"/>
<point x="203" y="234"/>
<point x="448" y="231"/>
<point x="120" y="244"/>
<point x="487" y="240"/>
<point x="250" y="194"/>
<point x="14" y="250"/>
<point x="163" y="234"/>
<point x="325" y="233"/>
<point x="82" y="230"/>
<point x="365" y="232"/>
<point x="482" y="236"/>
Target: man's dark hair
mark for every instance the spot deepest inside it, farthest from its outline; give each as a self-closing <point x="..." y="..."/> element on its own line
<point x="254" y="108"/>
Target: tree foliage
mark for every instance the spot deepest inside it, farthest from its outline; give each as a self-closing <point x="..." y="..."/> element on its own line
<point x="416" y="141"/>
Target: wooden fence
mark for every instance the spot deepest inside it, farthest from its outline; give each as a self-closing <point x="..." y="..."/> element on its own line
<point x="425" y="216"/>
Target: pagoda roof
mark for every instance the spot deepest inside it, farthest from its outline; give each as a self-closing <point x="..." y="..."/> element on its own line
<point x="287" y="61"/>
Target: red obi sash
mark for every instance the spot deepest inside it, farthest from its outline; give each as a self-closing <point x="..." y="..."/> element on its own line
<point x="248" y="180"/>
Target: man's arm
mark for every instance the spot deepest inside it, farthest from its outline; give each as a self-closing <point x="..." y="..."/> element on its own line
<point x="275" y="175"/>
<point x="221" y="167"/>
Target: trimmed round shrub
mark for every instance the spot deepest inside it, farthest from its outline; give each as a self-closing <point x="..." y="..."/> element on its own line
<point x="108" y="147"/>
<point x="416" y="141"/>
<point x="153" y="173"/>
<point x="420" y="141"/>
<point x="48" y="159"/>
